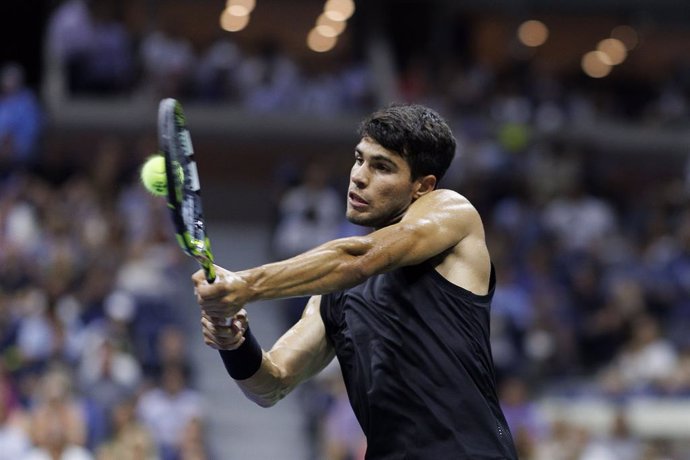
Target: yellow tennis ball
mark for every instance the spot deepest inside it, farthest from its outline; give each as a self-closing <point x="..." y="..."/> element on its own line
<point x="153" y="175"/>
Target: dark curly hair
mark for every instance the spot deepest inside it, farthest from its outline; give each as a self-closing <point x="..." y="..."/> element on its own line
<point x="416" y="133"/>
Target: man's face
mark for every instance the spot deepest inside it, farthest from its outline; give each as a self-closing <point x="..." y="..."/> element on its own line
<point x="381" y="188"/>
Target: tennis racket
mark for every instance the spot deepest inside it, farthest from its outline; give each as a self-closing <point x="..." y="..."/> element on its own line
<point x="184" y="189"/>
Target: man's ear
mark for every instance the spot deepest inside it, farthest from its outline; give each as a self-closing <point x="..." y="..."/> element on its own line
<point x="424" y="185"/>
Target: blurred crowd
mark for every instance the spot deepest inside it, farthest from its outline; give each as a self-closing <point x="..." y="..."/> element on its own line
<point x="93" y="353"/>
<point x="593" y="294"/>
<point x="592" y="251"/>
<point x="100" y="55"/>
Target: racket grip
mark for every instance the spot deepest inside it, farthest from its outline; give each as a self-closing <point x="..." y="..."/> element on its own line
<point x="210" y="272"/>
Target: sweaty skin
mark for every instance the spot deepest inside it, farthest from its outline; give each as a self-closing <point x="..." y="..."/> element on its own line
<point x="414" y="222"/>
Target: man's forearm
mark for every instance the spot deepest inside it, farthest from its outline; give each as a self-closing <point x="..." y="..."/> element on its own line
<point x="265" y="387"/>
<point x="299" y="354"/>
<point x="330" y="267"/>
<point x="256" y="375"/>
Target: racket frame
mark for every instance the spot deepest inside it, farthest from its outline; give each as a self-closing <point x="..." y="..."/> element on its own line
<point x="184" y="190"/>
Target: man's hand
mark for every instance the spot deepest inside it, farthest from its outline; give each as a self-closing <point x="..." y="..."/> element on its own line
<point x="223" y="334"/>
<point x="223" y="298"/>
<point x="223" y="319"/>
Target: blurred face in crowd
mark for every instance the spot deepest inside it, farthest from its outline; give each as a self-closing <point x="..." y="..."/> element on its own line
<point x="11" y="78"/>
<point x="173" y="380"/>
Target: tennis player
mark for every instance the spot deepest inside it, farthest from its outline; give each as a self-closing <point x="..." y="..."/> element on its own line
<point x="405" y="308"/>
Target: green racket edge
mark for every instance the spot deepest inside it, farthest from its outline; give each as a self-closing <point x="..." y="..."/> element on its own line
<point x="204" y="256"/>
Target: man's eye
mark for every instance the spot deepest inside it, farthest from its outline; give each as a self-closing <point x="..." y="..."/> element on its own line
<point x="358" y="160"/>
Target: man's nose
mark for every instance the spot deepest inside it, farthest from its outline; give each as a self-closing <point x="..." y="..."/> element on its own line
<point x="358" y="176"/>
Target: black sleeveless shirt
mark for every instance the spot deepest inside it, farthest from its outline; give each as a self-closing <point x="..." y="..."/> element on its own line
<point x="416" y="359"/>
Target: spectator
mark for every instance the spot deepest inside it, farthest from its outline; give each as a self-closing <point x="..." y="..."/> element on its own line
<point x="269" y="80"/>
<point x="169" y="410"/>
<point x="168" y="62"/>
<point x="678" y="383"/>
<point x="171" y="350"/>
<point x="217" y="78"/>
<point x="130" y="439"/>
<point x="37" y="339"/>
<point x="107" y="374"/>
<point x="344" y="439"/>
<point x="21" y="121"/>
<point x="523" y="417"/>
<point x="579" y="220"/>
<point x="58" y="426"/>
<point x="619" y="444"/>
<point x="335" y="422"/>
<point x="70" y="32"/>
<point x="565" y="441"/>
<point x="14" y="426"/>
<point x="309" y="214"/>
<point x="106" y="65"/>
<point x="647" y="359"/>
<point x="193" y="445"/>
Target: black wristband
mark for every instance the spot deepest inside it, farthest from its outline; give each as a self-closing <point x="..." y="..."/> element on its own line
<point x="243" y="362"/>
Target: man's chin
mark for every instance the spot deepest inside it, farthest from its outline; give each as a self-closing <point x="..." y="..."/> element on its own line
<point x="358" y="219"/>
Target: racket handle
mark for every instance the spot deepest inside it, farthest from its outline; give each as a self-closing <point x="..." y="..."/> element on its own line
<point x="210" y="272"/>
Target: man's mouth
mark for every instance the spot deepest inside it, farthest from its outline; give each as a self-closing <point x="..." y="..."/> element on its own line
<point x="357" y="201"/>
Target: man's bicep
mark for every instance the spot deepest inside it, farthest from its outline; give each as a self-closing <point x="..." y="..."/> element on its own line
<point x="304" y="349"/>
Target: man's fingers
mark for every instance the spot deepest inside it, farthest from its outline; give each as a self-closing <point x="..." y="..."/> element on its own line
<point x="207" y="304"/>
<point x="210" y="292"/>
<point x="213" y="318"/>
<point x="221" y="336"/>
<point x="220" y="318"/>
<point x="216" y="324"/>
<point x="199" y="276"/>
<point x="241" y="315"/>
<point x="222" y="343"/>
<point x="217" y="310"/>
<point x="236" y="323"/>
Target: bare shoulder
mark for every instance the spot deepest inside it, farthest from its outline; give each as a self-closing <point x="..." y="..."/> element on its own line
<point x="447" y="203"/>
<point x="446" y="197"/>
<point x="436" y="224"/>
<point x="467" y="264"/>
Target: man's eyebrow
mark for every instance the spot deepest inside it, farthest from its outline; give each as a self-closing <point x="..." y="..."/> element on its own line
<point x="375" y="156"/>
<point x="382" y="158"/>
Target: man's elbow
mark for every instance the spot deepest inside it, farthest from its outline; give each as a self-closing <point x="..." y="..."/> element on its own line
<point x="264" y="401"/>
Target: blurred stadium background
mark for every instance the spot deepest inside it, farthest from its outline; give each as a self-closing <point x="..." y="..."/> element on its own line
<point x="572" y="122"/>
